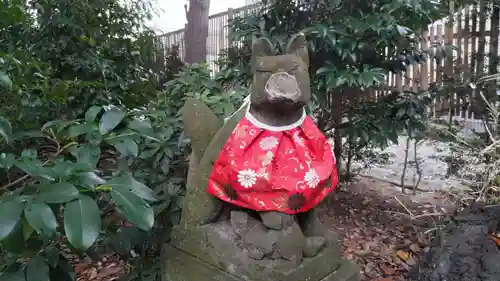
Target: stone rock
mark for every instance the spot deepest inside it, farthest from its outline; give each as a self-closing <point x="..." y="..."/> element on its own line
<point x="313" y="246"/>
<point x="255" y="253"/>
<point x="464" y="250"/>
<point x="290" y="243"/>
<point x="241" y="222"/>
<point x="260" y="237"/>
<point x="275" y="220"/>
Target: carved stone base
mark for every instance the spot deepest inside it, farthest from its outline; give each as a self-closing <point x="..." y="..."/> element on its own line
<point x="180" y="266"/>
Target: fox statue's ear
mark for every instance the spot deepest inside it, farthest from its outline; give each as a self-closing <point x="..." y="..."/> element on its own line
<point x="298" y="46"/>
<point x="261" y="47"/>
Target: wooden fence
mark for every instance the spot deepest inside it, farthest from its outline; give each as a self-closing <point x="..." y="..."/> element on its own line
<point x="218" y="33"/>
<point x="474" y="35"/>
<point x="473" y="32"/>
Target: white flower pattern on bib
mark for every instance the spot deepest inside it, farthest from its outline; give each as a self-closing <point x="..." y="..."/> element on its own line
<point x="247" y="178"/>
<point x="268" y="143"/>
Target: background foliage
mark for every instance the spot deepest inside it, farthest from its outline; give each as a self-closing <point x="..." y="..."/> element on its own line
<point x="352" y="46"/>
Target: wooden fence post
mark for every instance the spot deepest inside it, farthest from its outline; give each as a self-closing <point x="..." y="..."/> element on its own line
<point x="182" y="50"/>
<point x="466" y="60"/>
<point x="439" y="70"/>
<point x="229" y="27"/>
<point x="424" y="73"/>
<point x="450" y="101"/>
<point x="399" y="80"/>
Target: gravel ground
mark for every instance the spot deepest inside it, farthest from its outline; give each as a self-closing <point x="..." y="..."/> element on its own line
<point x="431" y="156"/>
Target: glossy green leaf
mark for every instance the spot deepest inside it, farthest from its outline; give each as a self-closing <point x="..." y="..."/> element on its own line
<point x="94" y="137"/>
<point x="62" y="270"/>
<point x="148" y="153"/>
<point x="127" y="182"/>
<point x="110" y="119"/>
<point x="79" y="129"/>
<point x="34" y="167"/>
<point x="135" y="209"/>
<point x="30" y="154"/>
<point x="62" y="168"/>
<point x="401" y="112"/>
<point x="7" y="160"/>
<point x="167" y="133"/>
<point x="323" y="70"/>
<point x="5" y="81"/>
<point x="26" y="228"/>
<point x="5" y="129"/>
<point x="90" y="179"/>
<point x="126" y="238"/>
<point x="82" y="222"/>
<point x="52" y="255"/>
<point x="37" y="269"/>
<point x="165" y="164"/>
<point x="58" y="125"/>
<point x="10" y="215"/>
<point x="57" y="192"/>
<point x="16" y="242"/>
<point x="92" y="113"/>
<point x="40" y="216"/>
<point x="15" y="276"/>
<point x="87" y="153"/>
<point x="141" y="126"/>
<point x="403" y="30"/>
<point x="126" y="146"/>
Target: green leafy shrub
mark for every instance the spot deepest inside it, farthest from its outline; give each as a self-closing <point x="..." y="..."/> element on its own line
<point x="65" y="56"/>
<point x="69" y="172"/>
<point x="353" y="46"/>
<point x="58" y="185"/>
<point x="92" y="152"/>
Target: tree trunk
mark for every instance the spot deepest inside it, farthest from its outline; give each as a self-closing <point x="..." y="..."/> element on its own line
<point x="197" y="31"/>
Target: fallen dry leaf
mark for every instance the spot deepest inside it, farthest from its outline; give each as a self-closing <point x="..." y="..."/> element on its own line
<point x="387" y="269"/>
<point x="82" y="266"/>
<point x="384" y="279"/>
<point x="92" y="273"/>
<point x="415" y="248"/>
<point x="496" y="239"/>
<point x="350" y="245"/>
<point x="411" y="261"/>
<point x="403" y="255"/>
<point x="111" y="271"/>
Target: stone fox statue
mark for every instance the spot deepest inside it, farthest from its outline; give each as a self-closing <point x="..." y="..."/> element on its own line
<point x="254" y="181"/>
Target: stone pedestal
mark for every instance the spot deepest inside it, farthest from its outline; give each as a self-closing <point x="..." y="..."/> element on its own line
<point x="180" y="266"/>
<point x="221" y="242"/>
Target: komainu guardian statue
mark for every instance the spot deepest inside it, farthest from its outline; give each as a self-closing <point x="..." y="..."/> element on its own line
<point x="254" y="182"/>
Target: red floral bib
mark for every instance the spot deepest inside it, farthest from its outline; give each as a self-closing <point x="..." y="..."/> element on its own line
<point x="288" y="169"/>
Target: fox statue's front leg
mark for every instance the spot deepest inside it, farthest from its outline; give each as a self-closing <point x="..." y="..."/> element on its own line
<point x="290" y="242"/>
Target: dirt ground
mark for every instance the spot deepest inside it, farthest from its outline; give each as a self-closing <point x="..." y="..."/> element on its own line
<point x="382" y="230"/>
